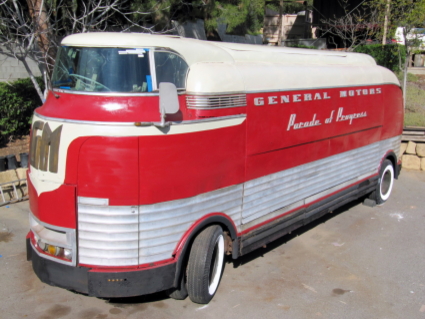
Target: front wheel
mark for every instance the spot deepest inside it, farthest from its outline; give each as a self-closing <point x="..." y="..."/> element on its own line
<point x="205" y="265"/>
<point x="385" y="183"/>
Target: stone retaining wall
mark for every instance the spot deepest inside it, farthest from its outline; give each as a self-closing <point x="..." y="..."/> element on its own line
<point x="413" y="155"/>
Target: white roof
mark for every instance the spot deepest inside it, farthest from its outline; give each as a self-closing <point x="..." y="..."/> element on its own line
<point x="245" y="67"/>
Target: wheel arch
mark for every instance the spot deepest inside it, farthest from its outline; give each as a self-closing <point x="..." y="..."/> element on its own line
<point x="183" y="247"/>
<point x="392" y="157"/>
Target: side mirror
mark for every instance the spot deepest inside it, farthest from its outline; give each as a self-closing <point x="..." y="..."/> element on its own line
<point x="168" y="99"/>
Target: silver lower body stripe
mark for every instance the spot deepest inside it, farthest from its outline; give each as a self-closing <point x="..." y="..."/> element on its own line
<point x="131" y="235"/>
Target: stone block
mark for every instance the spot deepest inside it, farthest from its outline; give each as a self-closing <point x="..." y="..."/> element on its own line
<point x="423" y="163"/>
<point x="420" y="149"/>
<point x="411" y="148"/>
<point x="403" y="148"/>
<point x="411" y="162"/>
<point x="8" y="176"/>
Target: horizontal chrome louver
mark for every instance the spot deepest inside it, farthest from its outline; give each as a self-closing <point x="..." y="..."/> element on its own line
<point x="108" y="235"/>
<point x="215" y="101"/>
<point x="293" y="187"/>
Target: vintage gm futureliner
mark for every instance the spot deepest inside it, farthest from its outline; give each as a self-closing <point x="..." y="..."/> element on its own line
<point x="153" y="157"/>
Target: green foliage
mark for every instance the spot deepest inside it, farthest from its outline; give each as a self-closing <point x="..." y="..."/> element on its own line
<point x="241" y="16"/>
<point x="412" y="77"/>
<point x="288" y="7"/>
<point x="403" y="13"/>
<point x="301" y="46"/>
<point x="415" y="101"/>
<point x="391" y="56"/>
<point x="17" y="103"/>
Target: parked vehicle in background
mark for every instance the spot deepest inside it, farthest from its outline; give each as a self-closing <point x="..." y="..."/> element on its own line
<point x="155" y="156"/>
<point x="415" y="37"/>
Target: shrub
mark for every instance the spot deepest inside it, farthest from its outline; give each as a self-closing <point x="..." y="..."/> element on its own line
<point x="388" y="55"/>
<point x="17" y="103"/>
<point x="302" y="46"/>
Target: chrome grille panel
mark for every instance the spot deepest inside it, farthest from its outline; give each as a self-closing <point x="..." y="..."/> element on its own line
<point x="108" y="235"/>
<point x="215" y="101"/>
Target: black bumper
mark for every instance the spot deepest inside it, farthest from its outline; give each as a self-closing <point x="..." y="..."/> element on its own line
<point x="102" y="284"/>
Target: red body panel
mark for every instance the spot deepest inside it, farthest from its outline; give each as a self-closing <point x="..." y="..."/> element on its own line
<point x="108" y="168"/>
<point x="184" y="165"/>
<point x="57" y="207"/>
<point x="105" y="108"/>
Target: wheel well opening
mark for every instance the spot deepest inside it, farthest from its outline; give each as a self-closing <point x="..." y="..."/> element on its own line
<point x="184" y="257"/>
<point x="393" y="159"/>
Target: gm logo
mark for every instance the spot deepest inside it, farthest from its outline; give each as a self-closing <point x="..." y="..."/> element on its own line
<point x="44" y="147"/>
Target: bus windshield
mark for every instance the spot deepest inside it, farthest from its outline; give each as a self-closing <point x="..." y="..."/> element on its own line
<point x="115" y="70"/>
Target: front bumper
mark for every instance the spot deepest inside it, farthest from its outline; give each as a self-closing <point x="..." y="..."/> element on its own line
<point x="107" y="284"/>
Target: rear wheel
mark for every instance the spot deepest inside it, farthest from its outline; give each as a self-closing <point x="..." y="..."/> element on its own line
<point x="205" y="266"/>
<point x="385" y="183"/>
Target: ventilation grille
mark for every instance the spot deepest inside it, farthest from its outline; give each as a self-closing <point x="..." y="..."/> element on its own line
<point x="216" y="101"/>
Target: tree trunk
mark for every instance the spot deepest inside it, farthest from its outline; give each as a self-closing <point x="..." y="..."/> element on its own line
<point x="406" y="65"/>
<point x="279" y="24"/>
<point x="43" y="34"/>
<point x="387" y="13"/>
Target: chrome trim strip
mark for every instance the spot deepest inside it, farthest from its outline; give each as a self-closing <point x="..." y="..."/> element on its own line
<point x="214" y="93"/>
<point x="153" y="70"/>
<point x="93" y="201"/>
<point x="118" y="94"/>
<point x="205" y="120"/>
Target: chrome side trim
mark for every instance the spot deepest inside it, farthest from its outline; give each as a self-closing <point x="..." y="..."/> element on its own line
<point x="215" y="101"/>
<point x="264" y="196"/>
<point x="205" y="120"/>
<point x="93" y="201"/>
<point x="118" y="94"/>
<point x="163" y="225"/>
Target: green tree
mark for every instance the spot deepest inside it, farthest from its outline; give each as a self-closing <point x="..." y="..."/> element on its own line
<point x="407" y="14"/>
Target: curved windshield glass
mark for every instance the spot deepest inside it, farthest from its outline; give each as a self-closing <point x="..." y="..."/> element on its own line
<point x="116" y="69"/>
<point x="170" y="68"/>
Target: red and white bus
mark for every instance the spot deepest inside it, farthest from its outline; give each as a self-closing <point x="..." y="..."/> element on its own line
<point x="153" y="157"/>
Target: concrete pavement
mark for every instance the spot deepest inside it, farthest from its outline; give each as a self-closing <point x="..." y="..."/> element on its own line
<point x="359" y="262"/>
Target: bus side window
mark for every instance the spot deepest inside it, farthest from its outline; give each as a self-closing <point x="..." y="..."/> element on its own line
<point x="170" y="68"/>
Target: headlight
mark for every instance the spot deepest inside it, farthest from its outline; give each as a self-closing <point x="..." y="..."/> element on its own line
<point x="67" y="253"/>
